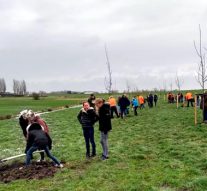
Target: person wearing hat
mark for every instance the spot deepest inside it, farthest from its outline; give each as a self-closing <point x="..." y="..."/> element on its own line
<point x="37" y="139"/>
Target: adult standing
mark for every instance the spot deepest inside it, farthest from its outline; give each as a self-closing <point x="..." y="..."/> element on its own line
<point x="189" y="98"/>
<point x="87" y="118"/>
<point x="141" y="101"/>
<point x="135" y="105"/>
<point x="105" y="126"/>
<point x="123" y="103"/>
<point x="155" y="99"/>
<point x="113" y="105"/>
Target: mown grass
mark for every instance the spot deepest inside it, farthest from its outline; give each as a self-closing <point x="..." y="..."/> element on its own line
<point x="161" y="149"/>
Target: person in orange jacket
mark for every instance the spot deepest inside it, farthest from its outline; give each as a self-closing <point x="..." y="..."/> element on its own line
<point x="189" y="98"/>
<point x="113" y="106"/>
<point x="141" y="101"/>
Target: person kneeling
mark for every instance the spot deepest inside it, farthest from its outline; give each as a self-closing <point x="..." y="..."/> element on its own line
<point x="37" y="139"/>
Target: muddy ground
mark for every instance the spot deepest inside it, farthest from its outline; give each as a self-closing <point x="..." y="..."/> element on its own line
<point x="9" y="173"/>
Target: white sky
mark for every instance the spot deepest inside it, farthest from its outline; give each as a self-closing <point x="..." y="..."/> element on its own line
<point x="59" y="45"/>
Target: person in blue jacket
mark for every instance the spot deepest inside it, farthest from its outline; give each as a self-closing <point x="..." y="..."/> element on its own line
<point x="135" y="105"/>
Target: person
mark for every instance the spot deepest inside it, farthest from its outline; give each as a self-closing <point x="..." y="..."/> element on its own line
<point x="33" y="118"/>
<point x="87" y="118"/>
<point x="112" y="103"/>
<point x="203" y="106"/>
<point x="150" y="100"/>
<point x="105" y="125"/>
<point x="23" y="122"/>
<point x="189" y="98"/>
<point x="141" y="101"/>
<point x="39" y="140"/>
<point x="135" y="105"/>
<point x="155" y="99"/>
<point x="123" y="103"/>
<point x="91" y="100"/>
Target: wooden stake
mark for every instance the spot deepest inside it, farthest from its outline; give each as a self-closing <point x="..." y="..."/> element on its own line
<point x="195" y="110"/>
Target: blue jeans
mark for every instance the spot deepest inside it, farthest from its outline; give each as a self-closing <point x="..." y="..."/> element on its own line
<point x="89" y="138"/>
<point x="35" y="148"/>
<point x="104" y="143"/>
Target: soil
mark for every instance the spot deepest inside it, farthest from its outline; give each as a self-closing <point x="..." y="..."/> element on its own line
<point x="17" y="171"/>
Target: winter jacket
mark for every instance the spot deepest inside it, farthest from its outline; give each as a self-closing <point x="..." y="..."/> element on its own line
<point x="203" y="98"/>
<point x="124" y="102"/>
<point x="155" y="98"/>
<point x="23" y="124"/>
<point x="112" y="102"/>
<point x="42" y="123"/>
<point x="37" y="137"/>
<point x="141" y="100"/>
<point x="105" y="118"/>
<point x="189" y="96"/>
<point x="87" y="118"/>
<point x="135" y="102"/>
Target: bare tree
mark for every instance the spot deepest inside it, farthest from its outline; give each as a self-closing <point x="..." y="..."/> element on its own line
<point x="171" y="86"/>
<point x="202" y="70"/>
<point x="19" y="87"/>
<point x="128" y="87"/>
<point x="179" y="81"/>
<point x="2" y="85"/>
<point x="108" y="81"/>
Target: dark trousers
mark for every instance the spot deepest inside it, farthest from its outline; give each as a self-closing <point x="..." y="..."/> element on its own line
<point x="205" y="115"/>
<point x="190" y="101"/>
<point x="155" y="103"/>
<point x="35" y="148"/>
<point x="135" y="110"/>
<point x="114" y="110"/>
<point x="123" y="111"/>
<point x="89" y="138"/>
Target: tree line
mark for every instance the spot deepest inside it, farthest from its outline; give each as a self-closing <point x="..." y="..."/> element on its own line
<point x="19" y="87"/>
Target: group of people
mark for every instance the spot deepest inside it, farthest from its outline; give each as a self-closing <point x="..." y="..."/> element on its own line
<point x="180" y="98"/>
<point x="36" y="133"/>
<point x="98" y="110"/>
<point x="121" y="106"/>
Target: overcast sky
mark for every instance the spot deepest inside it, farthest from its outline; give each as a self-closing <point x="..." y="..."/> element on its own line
<point x="59" y="45"/>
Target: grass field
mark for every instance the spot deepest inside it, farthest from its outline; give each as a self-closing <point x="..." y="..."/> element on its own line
<point x="12" y="106"/>
<point x="160" y="150"/>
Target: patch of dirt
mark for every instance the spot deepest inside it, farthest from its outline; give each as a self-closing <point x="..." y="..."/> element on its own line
<point x="16" y="171"/>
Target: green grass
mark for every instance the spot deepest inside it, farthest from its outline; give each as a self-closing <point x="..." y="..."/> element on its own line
<point x="160" y="150"/>
<point x="12" y="106"/>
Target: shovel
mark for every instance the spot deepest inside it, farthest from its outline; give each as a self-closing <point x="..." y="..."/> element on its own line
<point x="17" y="156"/>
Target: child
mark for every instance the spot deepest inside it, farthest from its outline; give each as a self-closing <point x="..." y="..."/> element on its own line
<point x="135" y="105"/>
<point x="39" y="140"/>
<point x="87" y="118"/>
<point x="104" y="124"/>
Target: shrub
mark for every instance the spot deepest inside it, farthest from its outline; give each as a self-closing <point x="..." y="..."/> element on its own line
<point x="36" y="96"/>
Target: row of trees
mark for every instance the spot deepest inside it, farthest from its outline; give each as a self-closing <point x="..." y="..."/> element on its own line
<point x="2" y="85"/>
<point x="19" y="87"/>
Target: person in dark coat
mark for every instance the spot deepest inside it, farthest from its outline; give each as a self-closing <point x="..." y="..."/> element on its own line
<point x="150" y="100"/>
<point x="203" y="106"/>
<point x="39" y="140"/>
<point x="105" y="126"/>
<point x="91" y="100"/>
<point x="23" y="122"/>
<point x="155" y="99"/>
<point x="123" y="103"/>
<point x="87" y="118"/>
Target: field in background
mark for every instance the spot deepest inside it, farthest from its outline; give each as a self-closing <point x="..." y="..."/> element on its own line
<point x="161" y="149"/>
